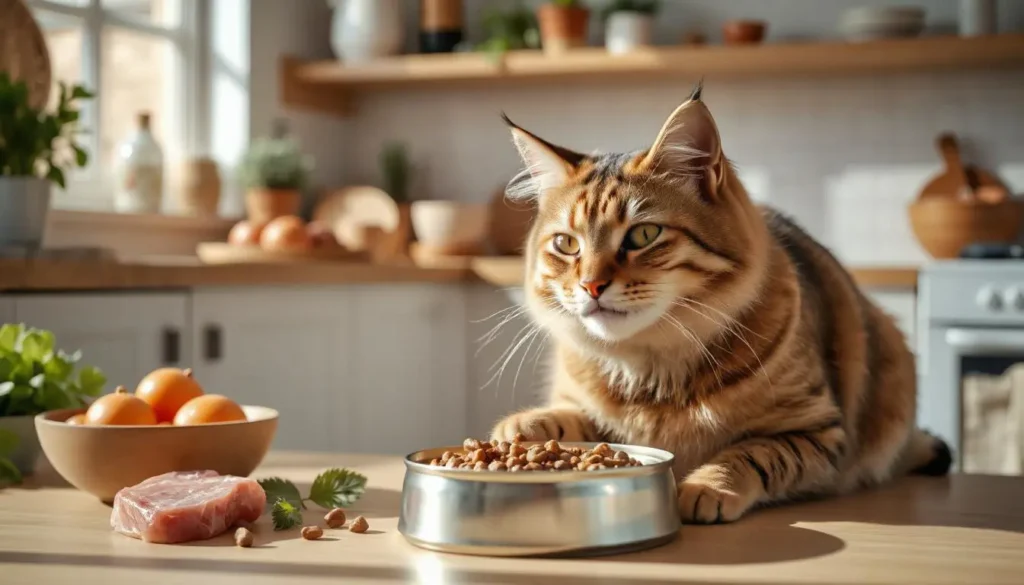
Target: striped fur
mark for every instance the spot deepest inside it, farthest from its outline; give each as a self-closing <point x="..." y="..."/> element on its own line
<point x="732" y="339"/>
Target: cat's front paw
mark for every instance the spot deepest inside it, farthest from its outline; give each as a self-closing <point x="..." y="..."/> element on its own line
<point x="703" y="501"/>
<point x="543" y="424"/>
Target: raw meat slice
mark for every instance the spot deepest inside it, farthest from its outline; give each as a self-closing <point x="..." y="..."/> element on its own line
<point x="184" y="506"/>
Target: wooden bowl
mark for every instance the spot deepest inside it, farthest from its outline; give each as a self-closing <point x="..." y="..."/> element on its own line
<point x="944" y="226"/>
<point x="103" y="459"/>
<point x="744" y="32"/>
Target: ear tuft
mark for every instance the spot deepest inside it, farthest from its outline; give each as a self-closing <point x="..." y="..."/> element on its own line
<point x="695" y="94"/>
<point x="547" y="165"/>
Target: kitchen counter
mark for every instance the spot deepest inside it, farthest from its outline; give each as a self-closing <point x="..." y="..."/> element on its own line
<point x="188" y="272"/>
<point x="963" y="529"/>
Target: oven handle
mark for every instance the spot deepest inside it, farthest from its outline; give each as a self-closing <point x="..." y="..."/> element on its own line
<point x="978" y="341"/>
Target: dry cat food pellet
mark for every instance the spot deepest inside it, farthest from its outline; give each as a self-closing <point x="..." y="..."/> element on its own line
<point x="312" y="532"/>
<point x="359" y="525"/>
<point x="335" y="518"/>
<point x="244" y="537"/>
<point x="551" y="456"/>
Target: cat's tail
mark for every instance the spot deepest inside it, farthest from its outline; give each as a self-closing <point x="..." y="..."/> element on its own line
<point x="926" y="454"/>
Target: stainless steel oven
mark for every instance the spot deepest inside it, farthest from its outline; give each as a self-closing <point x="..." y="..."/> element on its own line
<point x="970" y="347"/>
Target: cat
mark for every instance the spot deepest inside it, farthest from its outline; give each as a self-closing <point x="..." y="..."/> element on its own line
<point x="686" y="317"/>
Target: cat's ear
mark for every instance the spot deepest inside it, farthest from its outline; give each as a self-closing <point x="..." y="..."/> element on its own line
<point x="547" y="165"/>
<point x="689" y="146"/>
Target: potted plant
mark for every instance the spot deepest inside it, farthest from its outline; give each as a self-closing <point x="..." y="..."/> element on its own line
<point x="395" y="171"/>
<point x="563" y="25"/>
<point x="628" y="25"/>
<point x="35" y="377"/>
<point x="274" y="170"/>
<point x="510" y="30"/>
<point x="36" y="147"/>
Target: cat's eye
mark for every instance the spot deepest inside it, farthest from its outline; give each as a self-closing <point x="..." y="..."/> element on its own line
<point x="566" y="244"/>
<point x="641" y="236"/>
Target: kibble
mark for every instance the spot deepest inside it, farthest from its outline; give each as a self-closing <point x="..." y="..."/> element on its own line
<point x="359" y="525"/>
<point x="503" y="456"/>
<point x="312" y="532"/>
<point x="244" y="537"/>
<point x="335" y="518"/>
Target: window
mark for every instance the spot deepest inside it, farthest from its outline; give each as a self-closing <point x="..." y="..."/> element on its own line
<point x="136" y="56"/>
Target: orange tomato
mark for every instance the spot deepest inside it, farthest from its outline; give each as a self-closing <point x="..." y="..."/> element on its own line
<point x="209" y="408"/>
<point x="167" y="389"/>
<point x="78" y="419"/>
<point x="245" y="233"/>
<point x="285" y="234"/>
<point x="120" y="408"/>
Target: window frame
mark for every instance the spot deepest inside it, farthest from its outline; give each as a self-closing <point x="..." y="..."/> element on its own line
<point x="91" y="188"/>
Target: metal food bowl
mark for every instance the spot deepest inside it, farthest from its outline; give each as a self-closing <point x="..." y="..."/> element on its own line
<point x="540" y="513"/>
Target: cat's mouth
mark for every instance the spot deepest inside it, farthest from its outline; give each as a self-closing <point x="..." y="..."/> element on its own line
<point x="595" y="309"/>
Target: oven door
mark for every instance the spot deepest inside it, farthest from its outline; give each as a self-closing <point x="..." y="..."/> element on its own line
<point x="973" y="396"/>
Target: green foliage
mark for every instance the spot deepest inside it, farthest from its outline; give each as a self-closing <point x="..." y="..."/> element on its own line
<point x="564" y="3"/>
<point x="36" y="377"/>
<point x="395" y="169"/>
<point x="649" y="7"/>
<point x="334" y="488"/>
<point x="285" y="515"/>
<point x="275" y="163"/>
<point x="510" y="30"/>
<point x="9" y="474"/>
<point x="31" y="139"/>
<point x="281" y="489"/>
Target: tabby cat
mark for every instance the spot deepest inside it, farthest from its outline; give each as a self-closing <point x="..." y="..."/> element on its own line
<point x="687" y="318"/>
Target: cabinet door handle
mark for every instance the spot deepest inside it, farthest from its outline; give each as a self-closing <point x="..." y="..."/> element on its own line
<point x="172" y="345"/>
<point x="213" y="340"/>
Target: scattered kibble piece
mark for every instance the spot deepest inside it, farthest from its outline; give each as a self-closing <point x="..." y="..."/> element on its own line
<point x="359" y="525"/>
<point x="335" y="518"/>
<point x="244" y="537"/>
<point x="312" y="532"/>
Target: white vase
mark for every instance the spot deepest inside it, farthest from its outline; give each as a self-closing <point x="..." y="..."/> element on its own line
<point x="627" y="31"/>
<point x="977" y="17"/>
<point x="363" y="30"/>
<point x="139" y="172"/>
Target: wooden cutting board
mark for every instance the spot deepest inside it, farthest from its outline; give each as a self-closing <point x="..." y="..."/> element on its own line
<point x="962" y="180"/>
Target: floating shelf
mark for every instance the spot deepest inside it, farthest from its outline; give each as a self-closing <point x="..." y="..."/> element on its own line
<point x="326" y="85"/>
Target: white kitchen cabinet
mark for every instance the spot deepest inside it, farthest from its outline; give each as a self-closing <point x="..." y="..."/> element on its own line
<point x="901" y="305"/>
<point x="408" y="390"/>
<point x="6" y="310"/>
<point x="282" y="347"/>
<point x="126" y="335"/>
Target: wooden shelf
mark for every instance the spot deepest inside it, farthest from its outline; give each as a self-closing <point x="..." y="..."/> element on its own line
<point x="326" y="85"/>
<point x="508" y="271"/>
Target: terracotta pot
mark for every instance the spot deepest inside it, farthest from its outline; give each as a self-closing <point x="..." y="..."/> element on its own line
<point x="562" y="28"/>
<point x="263" y="205"/>
<point x="945" y="225"/>
<point x="200" y="188"/>
<point x="744" y="32"/>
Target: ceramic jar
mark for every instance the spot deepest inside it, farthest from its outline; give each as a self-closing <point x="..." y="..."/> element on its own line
<point x="363" y="30"/>
<point x="139" y="171"/>
<point x="627" y="31"/>
<point x="200" y="187"/>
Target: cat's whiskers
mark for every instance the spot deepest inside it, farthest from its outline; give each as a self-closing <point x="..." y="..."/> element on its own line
<point x="705" y="352"/>
<point x="485" y="339"/>
<point x="729" y="328"/>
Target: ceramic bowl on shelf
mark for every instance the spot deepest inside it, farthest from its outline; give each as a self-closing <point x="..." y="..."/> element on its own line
<point x="103" y="459"/>
<point x="441" y="225"/>
<point x="874" y="23"/>
<point x="577" y="513"/>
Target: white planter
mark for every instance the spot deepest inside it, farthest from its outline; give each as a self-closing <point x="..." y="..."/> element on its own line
<point x="363" y="30"/>
<point x="24" y="205"/>
<point x="977" y="17"/>
<point x="627" y="31"/>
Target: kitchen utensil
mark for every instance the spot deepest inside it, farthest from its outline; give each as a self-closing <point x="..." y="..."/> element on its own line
<point x="224" y="253"/>
<point x="510" y="223"/>
<point x="23" y="52"/>
<point x="540" y="513"/>
<point x="350" y="210"/>
<point x="945" y="225"/>
<point x="743" y="32"/>
<point x="958" y="179"/>
<point x="103" y="459"/>
<point x="449" y="224"/>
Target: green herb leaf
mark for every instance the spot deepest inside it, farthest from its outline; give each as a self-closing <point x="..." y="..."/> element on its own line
<point x="57" y="367"/>
<point x="80" y="92"/>
<point x="34" y="346"/>
<point x="285" y="515"/>
<point x="91" y="381"/>
<point x="9" y="335"/>
<point x="337" y="488"/>
<point x="8" y="441"/>
<point x="9" y="474"/>
<point x="81" y="156"/>
<point x="280" y="489"/>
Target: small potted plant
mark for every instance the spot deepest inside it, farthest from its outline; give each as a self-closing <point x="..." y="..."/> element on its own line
<point x="628" y="25"/>
<point x="509" y="30"/>
<point x="563" y="25"/>
<point x="36" y="147"/>
<point x="35" y="377"/>
<point x="274" y="170"/>
<point x="395" y="170"/>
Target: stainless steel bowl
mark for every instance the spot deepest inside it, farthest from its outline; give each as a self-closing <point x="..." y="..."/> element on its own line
<point x="535" y="513"/>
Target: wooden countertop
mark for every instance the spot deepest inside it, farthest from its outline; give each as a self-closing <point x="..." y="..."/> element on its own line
<point x="188" y="272"/>
<point x="963" y="529"/>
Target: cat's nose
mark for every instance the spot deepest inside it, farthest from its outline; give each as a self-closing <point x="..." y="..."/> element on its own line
<point x="594" y="288"/>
